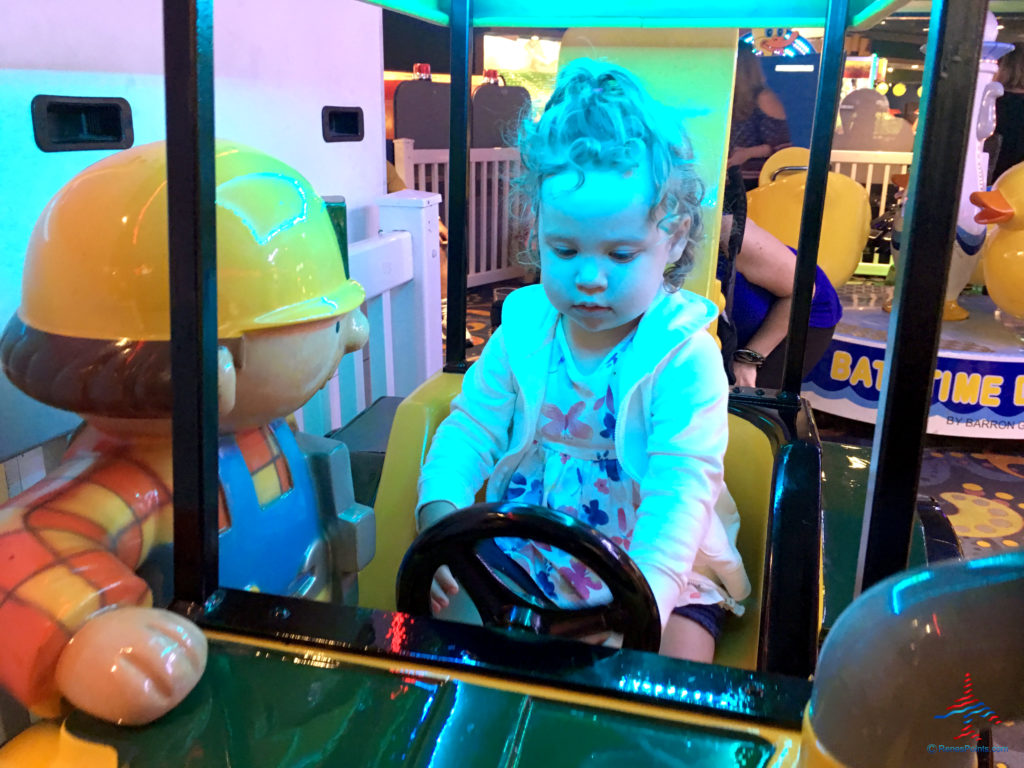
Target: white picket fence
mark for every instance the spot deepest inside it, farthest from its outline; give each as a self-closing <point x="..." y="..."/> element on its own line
<point x="401" y="273"/>
<point x="494" y="241"/>
<point x="868" y="169"/>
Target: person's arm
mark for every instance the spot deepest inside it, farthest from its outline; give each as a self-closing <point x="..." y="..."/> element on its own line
<point x="469" y="442"/>
<point x="70" y="547"/>
<point x="769" y="335"/>
<point x="774" y="130"/>
<point x="769" y="103"/>
<point x="774" y="126"/>
<point x="765" y="261"/>
<point x="742" y="154"/>
<point x="465" y="448"/>
<point x="685" y="450"/>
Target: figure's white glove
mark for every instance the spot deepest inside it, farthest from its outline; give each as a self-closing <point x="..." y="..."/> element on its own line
<point x="132" y="665"/>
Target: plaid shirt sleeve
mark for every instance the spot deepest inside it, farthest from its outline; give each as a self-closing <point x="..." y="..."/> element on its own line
<point x="69" y="547"/>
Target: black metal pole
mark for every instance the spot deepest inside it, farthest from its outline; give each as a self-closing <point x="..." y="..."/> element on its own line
<point x="458" y="183"/>
<point x="188" y="74"/>
<point x="951" y="67"/>
<point x="830" y="79"/>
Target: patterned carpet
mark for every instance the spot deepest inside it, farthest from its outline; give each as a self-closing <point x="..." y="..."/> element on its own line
<point x="982" y="494"/>
<point x="979" y="484"/>
<point x="478" y="314"/>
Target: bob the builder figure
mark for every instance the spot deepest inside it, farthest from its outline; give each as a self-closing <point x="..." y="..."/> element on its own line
<point x="84" y="554"/>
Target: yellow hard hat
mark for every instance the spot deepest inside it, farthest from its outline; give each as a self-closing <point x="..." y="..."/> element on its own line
<point x="97" y="264"/>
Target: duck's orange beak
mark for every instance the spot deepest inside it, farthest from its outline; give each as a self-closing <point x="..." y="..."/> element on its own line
<point x="994" y="207"/>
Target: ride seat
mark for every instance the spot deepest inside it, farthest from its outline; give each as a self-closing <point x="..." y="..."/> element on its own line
<point x="749" y="466"/>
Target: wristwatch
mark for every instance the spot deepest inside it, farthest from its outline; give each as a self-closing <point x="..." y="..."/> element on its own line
<point x="748" y="356"/>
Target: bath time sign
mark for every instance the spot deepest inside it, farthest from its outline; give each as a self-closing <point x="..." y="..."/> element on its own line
<point x="973" y="396"/>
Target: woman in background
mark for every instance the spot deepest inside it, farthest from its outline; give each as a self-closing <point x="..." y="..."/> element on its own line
<point x="1010" y="110"/>
<point x="756" y="270"/>
<point x="759" y="127"/>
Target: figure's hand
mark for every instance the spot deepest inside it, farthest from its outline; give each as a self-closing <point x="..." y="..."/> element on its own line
<point x="132" y="665"/>
<point x="745" y="373"/>
<point x="443" y="587"/>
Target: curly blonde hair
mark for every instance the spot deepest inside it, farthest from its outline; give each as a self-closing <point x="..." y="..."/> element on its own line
<point x="600" y="117"/>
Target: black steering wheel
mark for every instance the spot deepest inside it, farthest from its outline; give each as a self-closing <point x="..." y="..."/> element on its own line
<point x="454" y="541"/>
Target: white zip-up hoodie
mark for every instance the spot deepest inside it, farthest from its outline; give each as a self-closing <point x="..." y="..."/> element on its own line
<point x="670" y="437"/>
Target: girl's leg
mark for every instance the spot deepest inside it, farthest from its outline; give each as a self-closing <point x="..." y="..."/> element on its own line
<point x="686" y="639"/>
<point x="818" y="339"/>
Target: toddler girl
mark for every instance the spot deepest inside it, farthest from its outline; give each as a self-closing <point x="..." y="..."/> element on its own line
<point x="601" y="394"/>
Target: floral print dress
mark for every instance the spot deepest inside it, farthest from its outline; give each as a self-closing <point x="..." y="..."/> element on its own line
<point x="571" y="467"/>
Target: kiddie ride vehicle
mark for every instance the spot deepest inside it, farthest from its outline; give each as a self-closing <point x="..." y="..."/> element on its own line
<point x="290" y="681"/>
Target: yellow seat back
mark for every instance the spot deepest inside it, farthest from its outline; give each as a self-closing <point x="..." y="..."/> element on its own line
<point x="411" y="432"/>
<point x="749" y="465"/>
<point x="657" y="57"/>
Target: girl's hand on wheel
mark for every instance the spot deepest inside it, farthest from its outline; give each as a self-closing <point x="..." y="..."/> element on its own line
<point x="443" y="586"/>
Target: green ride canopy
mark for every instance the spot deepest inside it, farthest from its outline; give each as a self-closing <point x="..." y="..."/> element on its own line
<point x="652" y="13"/>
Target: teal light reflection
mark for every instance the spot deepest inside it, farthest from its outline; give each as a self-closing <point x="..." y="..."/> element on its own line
<point x="996" y="570"/>
<point x="448" y="741"/>
<point x="292" y="189"/>
<point x="424" y="714"/>
<point x="903" y="585"/>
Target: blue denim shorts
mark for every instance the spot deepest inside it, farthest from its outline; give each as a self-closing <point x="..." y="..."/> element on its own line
<point x="708" y="616"/>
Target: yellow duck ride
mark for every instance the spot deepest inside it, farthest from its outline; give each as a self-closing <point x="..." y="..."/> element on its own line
<point x="970" y="230"/>
<point x="777" y="201"/>
<point x="1003" y="253"/>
